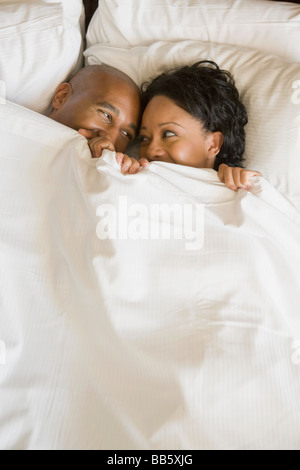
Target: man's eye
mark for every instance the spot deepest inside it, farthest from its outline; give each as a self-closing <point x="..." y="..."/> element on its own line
<point x="106" y="115"/>
<point x="128" y="135"/>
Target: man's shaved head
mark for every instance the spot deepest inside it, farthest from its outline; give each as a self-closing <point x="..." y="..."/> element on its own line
<point x="82" y="78"/>
<point x="102" y="101"/>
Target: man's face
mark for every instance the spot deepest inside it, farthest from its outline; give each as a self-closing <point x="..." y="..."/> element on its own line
<point x="105" y="106"/>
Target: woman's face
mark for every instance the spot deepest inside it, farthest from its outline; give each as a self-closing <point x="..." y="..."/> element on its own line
<point x="170" y="134"/>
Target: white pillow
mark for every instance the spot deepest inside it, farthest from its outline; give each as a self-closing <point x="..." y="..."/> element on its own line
<point x="73" y="9"/>
<point x="269" y="87"/>
<point x="39" y="48"/>
<point x="269" y="26"/>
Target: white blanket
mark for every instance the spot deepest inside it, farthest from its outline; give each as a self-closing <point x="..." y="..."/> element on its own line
<point x="162" y="334"/>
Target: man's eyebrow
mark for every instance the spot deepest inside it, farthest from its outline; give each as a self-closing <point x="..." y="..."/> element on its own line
<point x="110" y="107"/>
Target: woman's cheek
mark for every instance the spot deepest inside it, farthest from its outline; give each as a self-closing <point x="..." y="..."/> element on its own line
<point x="181" y="153"/>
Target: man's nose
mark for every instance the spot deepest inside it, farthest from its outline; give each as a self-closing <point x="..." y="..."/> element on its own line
<point x="112" y="134"/>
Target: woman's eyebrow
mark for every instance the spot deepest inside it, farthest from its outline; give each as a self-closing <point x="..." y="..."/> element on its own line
<point x="170" y="122"/>
<point x="144" y="128"/>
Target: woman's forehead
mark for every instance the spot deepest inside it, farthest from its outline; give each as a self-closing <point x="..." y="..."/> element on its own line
<point x="165" y="106"/>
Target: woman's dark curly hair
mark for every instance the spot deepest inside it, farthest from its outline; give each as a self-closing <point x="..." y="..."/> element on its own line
<point x="209" y="94"/>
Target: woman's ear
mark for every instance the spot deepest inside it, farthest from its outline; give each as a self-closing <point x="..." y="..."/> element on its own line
<point x="62" y="94"/>
<point x="214" y="144"/>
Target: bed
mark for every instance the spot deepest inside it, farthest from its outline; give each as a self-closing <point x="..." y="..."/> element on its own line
<point x="173" y="330"/>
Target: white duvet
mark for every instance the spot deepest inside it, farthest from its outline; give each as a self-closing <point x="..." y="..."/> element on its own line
<point x="123" y="329"/>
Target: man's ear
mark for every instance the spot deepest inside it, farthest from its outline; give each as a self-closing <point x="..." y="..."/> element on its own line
<point x="214" y="144"/>
<point x="62" y="94"/>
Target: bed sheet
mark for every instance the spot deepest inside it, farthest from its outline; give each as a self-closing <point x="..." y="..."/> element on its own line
<point x="136" y="341"/>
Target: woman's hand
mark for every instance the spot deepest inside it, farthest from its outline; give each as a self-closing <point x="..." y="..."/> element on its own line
<point x="129" y="165"/>
<point x="236" y="178"/>
<point x="144" y="162"/>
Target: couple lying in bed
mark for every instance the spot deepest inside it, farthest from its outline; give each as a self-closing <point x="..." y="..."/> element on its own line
<point x="191" y="116"/>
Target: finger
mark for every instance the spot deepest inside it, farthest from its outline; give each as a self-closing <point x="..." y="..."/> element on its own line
<point x="144" y="162"/>
<point x="106" y="144"/>
<point x="135" y="167"/>
<point x="97" y="145"/>
<point x="236" y="172"/>
<point x="93" y="150"/>
<point x="246" y="176"/>
<point x="87" y="134"/>
<point x="126" y="164"/>
<point x="119" y="157"/>
<point x="229" y="179"/>
<point x="111" y="147"/>
<point x="221" y="172"/>
<point x="96" y="150"/>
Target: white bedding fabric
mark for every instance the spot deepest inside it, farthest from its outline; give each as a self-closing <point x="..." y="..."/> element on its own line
<point x="141" y="344"/>
<point x="271" y="27"/>
<point x="41" y="45"/>
<point x="73" y="9"/>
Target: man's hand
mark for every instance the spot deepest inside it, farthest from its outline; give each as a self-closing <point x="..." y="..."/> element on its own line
<point x="97" y="144"/>
<point x="236" y="178"/>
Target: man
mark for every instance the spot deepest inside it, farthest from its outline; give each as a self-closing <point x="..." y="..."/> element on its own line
<point x="104" y="105"/>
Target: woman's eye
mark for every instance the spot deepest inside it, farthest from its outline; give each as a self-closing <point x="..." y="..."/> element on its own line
<point x="143" y="138"/>
<point x="167" y="134"/>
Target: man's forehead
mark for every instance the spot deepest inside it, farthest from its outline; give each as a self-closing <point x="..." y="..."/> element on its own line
<point x="109" y="81"/>
<point x="114" y="93"/>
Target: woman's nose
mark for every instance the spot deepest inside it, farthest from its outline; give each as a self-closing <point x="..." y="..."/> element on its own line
<point x="155" y="150"/>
